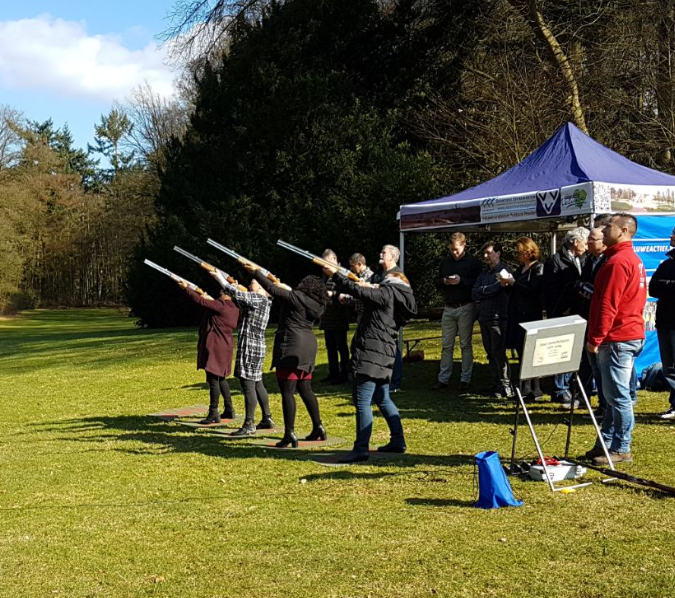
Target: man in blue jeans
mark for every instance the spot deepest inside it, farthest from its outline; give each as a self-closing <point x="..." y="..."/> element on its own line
<point x="616" y="334"/>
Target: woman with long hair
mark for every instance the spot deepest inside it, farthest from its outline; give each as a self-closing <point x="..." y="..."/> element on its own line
<point x="525" y="305"/>
<point x="387" y="307"/>
<point x="295" y="349"/>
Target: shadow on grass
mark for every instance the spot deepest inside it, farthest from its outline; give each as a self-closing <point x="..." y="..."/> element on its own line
<point x="164" y="437"/>
<point x="439" y="502"/>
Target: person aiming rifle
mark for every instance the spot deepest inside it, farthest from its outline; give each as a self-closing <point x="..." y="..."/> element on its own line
<point x="254" y="305"/>
<point x="295" y="347"/>
<point x="214" y="344"/>
<point x="386" y="309"/>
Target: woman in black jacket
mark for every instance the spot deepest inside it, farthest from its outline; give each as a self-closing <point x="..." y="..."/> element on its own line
<point x="295" y="348"/>
<point x="525" y="305"/>
<point x="386" y="308"/>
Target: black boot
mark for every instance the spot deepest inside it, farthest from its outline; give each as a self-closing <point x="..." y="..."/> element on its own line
<point x="289" y="438"/>
<point x="318" y="433"/>
<point x="211" y="418"/>
<point x="266" y="423"/>
<point x="248" y="429"/>
<point x="228" y="413"/>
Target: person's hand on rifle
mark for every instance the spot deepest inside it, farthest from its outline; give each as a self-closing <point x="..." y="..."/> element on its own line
<point x="250" y="267"/>
<point x="219" y="277"/>
<point x="182" y="284"/>
<point x="329" y="270"/>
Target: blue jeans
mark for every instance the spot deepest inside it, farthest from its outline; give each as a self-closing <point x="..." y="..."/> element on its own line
<point x="616" y="363"/>
<point x="365" y="392"/>
<point x="593" y="362"/>
<point x="397" y="372"/>
<point x="561" y="387"/>
<point x="667" y="350"/>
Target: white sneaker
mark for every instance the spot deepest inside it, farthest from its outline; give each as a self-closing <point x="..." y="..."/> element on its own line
<point x="670" y="414"/>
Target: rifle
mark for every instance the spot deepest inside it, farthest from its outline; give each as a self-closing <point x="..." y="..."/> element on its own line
<point x="318" y="260"/>
<point x="243" y="261"/>
<point x="177" y="278"/>
<point x="209" y="268"/>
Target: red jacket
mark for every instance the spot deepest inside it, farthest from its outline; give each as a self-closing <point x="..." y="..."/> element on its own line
<point x="619" y="298"/>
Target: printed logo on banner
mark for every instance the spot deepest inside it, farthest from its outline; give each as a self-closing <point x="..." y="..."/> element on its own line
<point x="548" y="203"/>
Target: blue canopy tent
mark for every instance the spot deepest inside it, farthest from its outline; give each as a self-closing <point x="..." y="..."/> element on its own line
<point x="563" y="183"/>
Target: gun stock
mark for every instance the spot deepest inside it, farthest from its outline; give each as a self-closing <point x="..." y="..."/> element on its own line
<point x="244" y="261"/>
<point x="319" y="261"/>
<point x="209" y="267"/>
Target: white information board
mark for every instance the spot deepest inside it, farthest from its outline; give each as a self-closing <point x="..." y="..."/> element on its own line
<point x="552" y="346"/>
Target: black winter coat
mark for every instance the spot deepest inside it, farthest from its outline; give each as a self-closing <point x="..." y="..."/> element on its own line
<point x="560" y="275"/>
<point x="662" y="286"/>
<point x="336" y="315"/>
<point x="294" y="341"/>
<point x="580" y="304"/>
<point x="386" y="309"/>
<point x="525" y="303"/>
<point x="490" y="296"/>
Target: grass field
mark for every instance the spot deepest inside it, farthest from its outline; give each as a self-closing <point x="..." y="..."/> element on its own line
<point x="97" y="499"/>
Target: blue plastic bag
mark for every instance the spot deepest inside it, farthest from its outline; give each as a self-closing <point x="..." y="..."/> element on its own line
<point x="494" y="490"/>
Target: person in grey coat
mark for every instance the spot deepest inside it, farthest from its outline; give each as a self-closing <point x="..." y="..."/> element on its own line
<point x="492" y="302"/>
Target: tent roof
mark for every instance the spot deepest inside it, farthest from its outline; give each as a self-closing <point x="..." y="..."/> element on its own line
<point x="569" y="157"/>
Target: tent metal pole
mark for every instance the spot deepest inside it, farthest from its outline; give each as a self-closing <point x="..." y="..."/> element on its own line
<point x="401" y="262"/>
<point x="401" y="246"/>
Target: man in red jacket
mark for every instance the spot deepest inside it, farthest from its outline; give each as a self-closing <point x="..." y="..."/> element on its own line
<point x="616" y="333"/>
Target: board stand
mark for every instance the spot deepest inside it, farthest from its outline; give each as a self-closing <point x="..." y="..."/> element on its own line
<point x="513" y="469"/>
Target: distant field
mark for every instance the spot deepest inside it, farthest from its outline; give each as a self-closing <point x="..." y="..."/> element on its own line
<point x="97" y="499"/>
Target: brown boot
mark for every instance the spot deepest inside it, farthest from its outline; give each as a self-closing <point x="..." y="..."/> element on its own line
<point x="616" y="458"/>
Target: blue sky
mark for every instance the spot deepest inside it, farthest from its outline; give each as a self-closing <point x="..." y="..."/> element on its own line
<point x="70" y="60"/>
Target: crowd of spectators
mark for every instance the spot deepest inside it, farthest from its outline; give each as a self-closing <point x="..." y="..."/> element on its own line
<point x="595" y="274"/>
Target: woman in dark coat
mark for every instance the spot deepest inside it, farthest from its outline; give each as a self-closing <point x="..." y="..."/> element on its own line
<point x="214" y="349"/>
<point x="387" y="307"/>
<point x="295" y="349"/>
<point x="525" y="305"/>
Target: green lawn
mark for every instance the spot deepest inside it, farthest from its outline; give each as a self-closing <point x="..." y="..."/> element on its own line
<point x="97" y="499"/>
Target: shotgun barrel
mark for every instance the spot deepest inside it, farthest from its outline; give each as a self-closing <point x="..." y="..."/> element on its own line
<point x="177" y="278"/>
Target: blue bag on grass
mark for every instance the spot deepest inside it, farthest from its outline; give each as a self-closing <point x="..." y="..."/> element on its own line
<point x="494" y="490"/>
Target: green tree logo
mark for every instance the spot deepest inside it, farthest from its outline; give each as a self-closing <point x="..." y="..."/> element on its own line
<point x="580" y="197"/>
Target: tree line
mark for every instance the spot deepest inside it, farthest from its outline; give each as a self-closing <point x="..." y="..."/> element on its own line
<point x="313" y="120"/>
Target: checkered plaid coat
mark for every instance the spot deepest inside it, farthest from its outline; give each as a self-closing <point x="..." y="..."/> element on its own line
<point x="254" y="313"/>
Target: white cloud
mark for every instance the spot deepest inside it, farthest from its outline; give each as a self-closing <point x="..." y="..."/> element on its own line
<point x="57" y="56"/>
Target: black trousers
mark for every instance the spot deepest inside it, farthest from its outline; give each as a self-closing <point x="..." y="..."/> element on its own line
<point x="338" y="353"/>
<point x="255" y="392"/>
<point x="492" y="333"/>
<point x="304" y="387"/>
<point x="218" y="385"/>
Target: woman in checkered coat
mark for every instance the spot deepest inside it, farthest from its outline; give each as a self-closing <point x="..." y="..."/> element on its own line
<point x="254" y="309"/>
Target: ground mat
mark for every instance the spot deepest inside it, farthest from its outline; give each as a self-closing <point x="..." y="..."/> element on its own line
<point x="224" y="423"/>
<point x="227" y="433"/>
<point x="302" y="444"/>
<point x="331" y="459"/>
<point x="187" y="411"/>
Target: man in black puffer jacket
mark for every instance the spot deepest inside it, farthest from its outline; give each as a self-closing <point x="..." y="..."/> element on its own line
<point x="387" y="307"/>
<point x="662" y="286"/>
